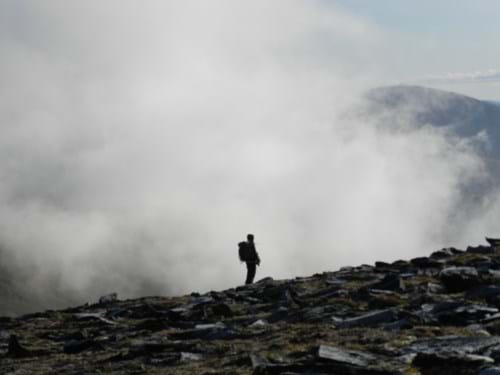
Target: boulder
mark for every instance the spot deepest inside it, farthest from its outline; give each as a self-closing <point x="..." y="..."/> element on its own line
<point x="112" y="297"/>
<point x="400" y="265"/>
<point x="494" y="242"/>
<point x="466" y="314"/>
<point x="444" y="253"/>
<point x="380" y="264"/>
<point x="222" y="309"/>
<point x="459" y="279"/>
<point x="480" y="249"/>
<point x="483" y="292"/>
<point x="390" y="282"/>
<point x="424" y="262"/>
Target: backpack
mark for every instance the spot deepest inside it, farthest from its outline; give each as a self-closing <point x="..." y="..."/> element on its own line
<point x="244" y="252"/>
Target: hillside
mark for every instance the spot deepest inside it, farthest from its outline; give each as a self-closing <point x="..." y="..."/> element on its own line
<point x="403" y="105"/>
<point x="429" y="315"/>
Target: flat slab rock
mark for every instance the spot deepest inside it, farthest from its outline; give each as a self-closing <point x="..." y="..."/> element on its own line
<point x="453" y="344"/>
<point x="350" y="357"/>
<point x="370" y="319"/>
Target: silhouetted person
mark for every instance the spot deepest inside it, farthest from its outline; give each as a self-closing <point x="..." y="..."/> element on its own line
<point x="249" y="255"/>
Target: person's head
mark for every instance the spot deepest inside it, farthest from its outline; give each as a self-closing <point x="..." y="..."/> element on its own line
<point x="250" y="237"/>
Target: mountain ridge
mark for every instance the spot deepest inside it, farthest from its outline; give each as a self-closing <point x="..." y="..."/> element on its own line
<point x="403" y="105"/>
<point x="426" y="315"/>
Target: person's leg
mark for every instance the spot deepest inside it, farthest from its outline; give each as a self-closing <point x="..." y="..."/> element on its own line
<point x="250" y="272"/>
<point x="253" y="269"/>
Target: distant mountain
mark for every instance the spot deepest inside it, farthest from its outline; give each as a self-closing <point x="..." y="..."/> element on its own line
<point x="404" y="105"/>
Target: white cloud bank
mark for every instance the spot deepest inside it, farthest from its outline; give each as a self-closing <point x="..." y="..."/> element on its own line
<point x="141" y="141"/>
<point x="486" y="76"/>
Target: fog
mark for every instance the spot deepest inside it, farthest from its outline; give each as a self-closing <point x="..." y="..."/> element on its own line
<point x="142" y="141"/>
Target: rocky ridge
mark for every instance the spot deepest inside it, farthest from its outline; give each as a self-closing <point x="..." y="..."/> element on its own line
<point x="429" y="315"/>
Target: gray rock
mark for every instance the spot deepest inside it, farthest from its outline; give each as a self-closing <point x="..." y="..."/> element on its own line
<point x="483" y="292"/>
<point x="494" y="242"/>
<point x="453" y="344"/>
<point x="490" y="371"/>
<point x="493" y="352"/>
<point x="435" y="288"/>
<point x="424" y="262"/>
<point x="322" y="293"/>
<point x="94" y="315"/>
<point x="218" y="325"/>
<point x="4" y="335"/>
<point x="201" y="301"/>
<point x="370" y="319"/>
<point x="279" y="314"/>
<point x="258" y="324"/>
<point x="382" y="265"/>
<point x="477" y="329"/>
<point x="467" y="314"/>
<point x="187" y="357"/>
<point x="459" y="279"/>
<point x="407" y="275"/>
<point x="350" y="357"/>
<point x="401" y="264"/>
<point x="335" y="281"/>
<point x="116" y="313"/>
<point x="258" y="361"/>
<point x="428" y="272"/>
<point x="216" y="331"/>
<point x="495" y="274"/>
<point x="443" y="253"/>
<point x="480" y="249"/>
<point x="315" y="314"/>
<point x="443" y="361"/>
<point x="390" y="282"/>
<point x="222" y="309"/>
<point x="112" y="297"/>
<point x="163" y="359"/>
<point x="397" y="325"/>
<point x="153" y="325"/>
<point x="265" y="280"/>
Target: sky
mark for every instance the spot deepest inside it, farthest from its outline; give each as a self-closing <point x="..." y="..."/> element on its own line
<point x="141" y="141"/>
<point x="439" y="43"/>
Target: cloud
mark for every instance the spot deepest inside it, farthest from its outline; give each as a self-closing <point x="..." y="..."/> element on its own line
<point x="487" y="76"/>
<point x="141" y="142"/>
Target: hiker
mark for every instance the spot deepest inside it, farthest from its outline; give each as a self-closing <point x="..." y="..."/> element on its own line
<point x="249" y="255"/>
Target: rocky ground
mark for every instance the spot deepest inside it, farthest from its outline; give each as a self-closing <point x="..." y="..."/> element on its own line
<point x="430" y="315"/>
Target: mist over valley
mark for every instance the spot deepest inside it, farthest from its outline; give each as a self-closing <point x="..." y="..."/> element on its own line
<point x="139" y="146"/>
